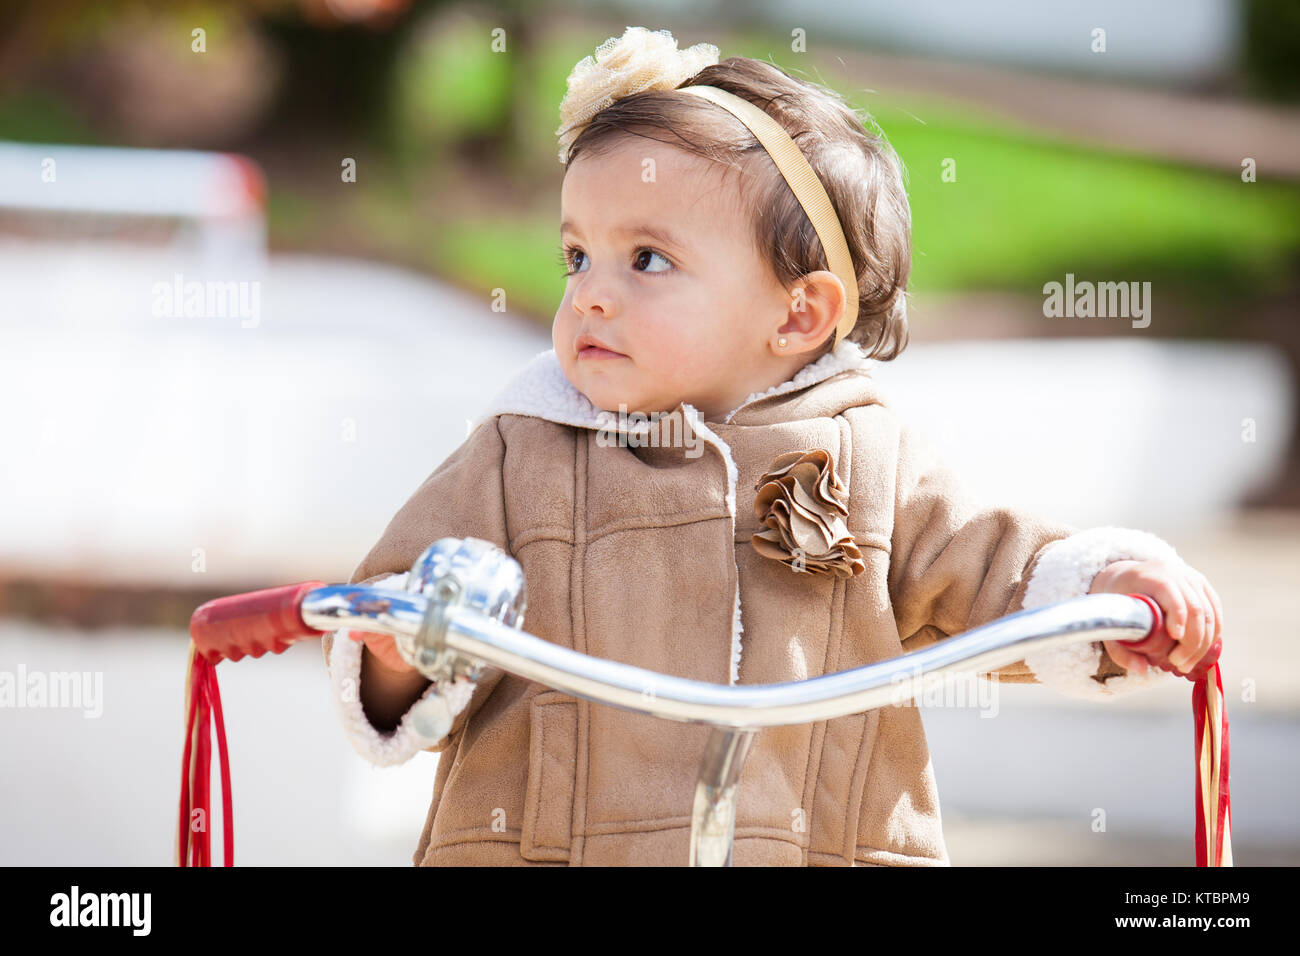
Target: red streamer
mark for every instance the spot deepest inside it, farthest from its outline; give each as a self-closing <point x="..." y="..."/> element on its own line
<point x="203" y="709"/>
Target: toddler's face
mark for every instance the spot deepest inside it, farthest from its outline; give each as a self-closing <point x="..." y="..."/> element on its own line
<point x="668" y="300"/>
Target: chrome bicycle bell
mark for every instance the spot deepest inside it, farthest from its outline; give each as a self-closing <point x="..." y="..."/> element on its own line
<point x="456" y="573"/>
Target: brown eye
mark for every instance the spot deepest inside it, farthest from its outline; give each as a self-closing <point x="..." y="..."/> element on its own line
<point x="566" y="256"/>
<point x="642" y="255"/>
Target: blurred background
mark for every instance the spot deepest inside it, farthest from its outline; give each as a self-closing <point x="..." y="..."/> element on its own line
<point x="365" y="195"/>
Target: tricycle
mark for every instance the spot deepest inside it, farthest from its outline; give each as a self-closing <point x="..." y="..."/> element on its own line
<point x="463" y="609"/>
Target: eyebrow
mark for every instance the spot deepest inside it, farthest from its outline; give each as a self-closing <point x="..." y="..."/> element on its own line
<point x="636" y="229"/>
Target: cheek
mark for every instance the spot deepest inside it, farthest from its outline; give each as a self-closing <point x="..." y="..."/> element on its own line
<point x="562" y="334"/>
<point x="676" y="359"/>
<point x="686" y="327"/>
<point x="565" y="322"/>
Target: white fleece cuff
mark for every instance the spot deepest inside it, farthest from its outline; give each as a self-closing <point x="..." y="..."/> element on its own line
<point x="1066" y="570"/>
<point x="427" y="721"/>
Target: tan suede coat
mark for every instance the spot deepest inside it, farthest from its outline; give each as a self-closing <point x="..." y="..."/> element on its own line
<point x="644" y="555"/>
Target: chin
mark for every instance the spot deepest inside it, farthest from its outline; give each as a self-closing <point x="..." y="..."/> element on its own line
<point x="610" y="399"/>
<point x="607" y="394"/>
<point x="605" y="401"/>
<point x="599" y="391"/>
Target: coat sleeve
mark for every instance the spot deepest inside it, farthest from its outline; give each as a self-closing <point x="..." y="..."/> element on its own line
<point x="463" y="497"/>
<point x="957" y="563"/>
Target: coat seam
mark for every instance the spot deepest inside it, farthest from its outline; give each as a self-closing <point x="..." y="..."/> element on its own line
<point x="578" y="582"/>
<point x="532" y="536"/>
<point x="846" y="438"/>
<point x="672" y="520"/>
<point x="643" y="825"/>
<point x="479" y="835"/>
<point x="752" y="832"/>
<point x="857" y="794"/>
<point x="484" y="835"/>
<point x="565" y="535"/>
<point x="835" y="637"/>
<point x="537" y="706"/>
<point x="541" y="773"/>
<point x="809" y="787"/>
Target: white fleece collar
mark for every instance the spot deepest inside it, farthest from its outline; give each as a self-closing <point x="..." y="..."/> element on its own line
<point x="542" y="390"/>
<point x="846" y="355"/>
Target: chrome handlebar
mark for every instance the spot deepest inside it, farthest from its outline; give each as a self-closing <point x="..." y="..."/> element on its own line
<point x="477" y="640"/>
<point x="464" y="609"/>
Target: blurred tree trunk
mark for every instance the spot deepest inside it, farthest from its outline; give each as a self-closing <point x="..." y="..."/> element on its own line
<point x="20" y="38"/>
<point x="336" y="77"/>
<point x="520" y="53"/>
<point x="501" y="149"/>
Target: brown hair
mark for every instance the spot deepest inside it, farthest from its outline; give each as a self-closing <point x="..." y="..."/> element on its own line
<point x="861" y="173"/>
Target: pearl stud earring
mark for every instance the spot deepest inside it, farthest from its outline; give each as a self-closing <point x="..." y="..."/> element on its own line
<point x="780" y="342"/>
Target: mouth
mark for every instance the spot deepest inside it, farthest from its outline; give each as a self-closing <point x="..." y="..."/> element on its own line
<point x="589" y="347"/>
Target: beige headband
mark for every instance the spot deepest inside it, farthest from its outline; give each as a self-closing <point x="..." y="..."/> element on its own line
<point x="805" y="185"/>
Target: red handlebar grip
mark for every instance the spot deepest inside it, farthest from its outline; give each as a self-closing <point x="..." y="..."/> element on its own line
<point x="1155" y="647"/>
<point x="252" y="624"/>
<point x="1157" y="637"/>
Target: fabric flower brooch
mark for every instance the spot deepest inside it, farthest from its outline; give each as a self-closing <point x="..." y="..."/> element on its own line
<point x="801" y="505"/>
<point x="637" y="61"/>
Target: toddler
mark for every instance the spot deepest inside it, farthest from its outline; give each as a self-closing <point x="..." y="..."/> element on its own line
<point x="737" y="259"/>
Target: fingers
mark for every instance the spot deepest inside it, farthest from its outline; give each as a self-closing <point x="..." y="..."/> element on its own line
<point x="1192" y="609"/>
<point x="1116" y="570"/>
<point x="1197" y="630"/>
<point x="383" y="649"/>
<point x="1173" y="602"/>
<point x="1211" y="620"/>
<point x="1125" y="658"/>
<point x="387" y="657"/>
<point x="1218" y="609"/>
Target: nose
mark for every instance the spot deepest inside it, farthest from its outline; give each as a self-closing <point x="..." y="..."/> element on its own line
<point x="594" y="294"/>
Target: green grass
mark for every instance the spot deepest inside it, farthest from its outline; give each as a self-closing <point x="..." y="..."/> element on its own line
<point x="518" y="256"/>
<point x="35" y="116"/>
<point x="1024" y="210"/>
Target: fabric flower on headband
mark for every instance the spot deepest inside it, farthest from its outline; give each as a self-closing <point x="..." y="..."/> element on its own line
<point x="637" y="61"/>
<point x="801" y="504"/>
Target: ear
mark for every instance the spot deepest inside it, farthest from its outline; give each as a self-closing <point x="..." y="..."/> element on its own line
<point x="817" y="302"/>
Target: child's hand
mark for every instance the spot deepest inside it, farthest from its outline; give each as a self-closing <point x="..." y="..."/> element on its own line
<point x="1193" y="612"/>
<point x="389" y="685"/>
<point x="384" y="649"/>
